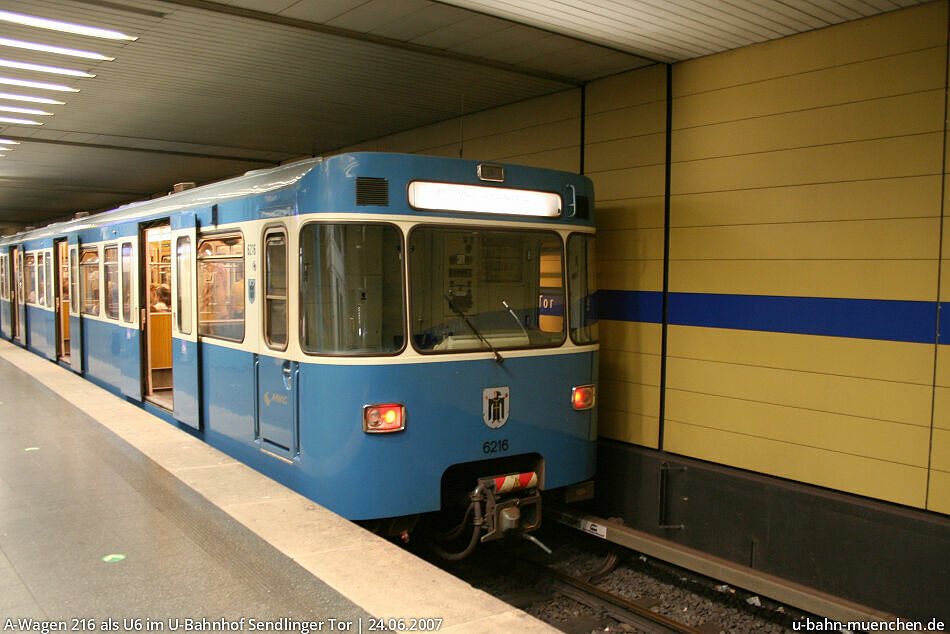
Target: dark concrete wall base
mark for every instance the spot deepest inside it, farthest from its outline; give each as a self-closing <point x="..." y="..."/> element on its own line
<point x="885" y="556"/>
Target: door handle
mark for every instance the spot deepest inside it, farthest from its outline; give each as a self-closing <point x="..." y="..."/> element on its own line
<point x="288" y="372"/>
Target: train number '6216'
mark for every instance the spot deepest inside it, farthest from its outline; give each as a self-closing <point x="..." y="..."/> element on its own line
<point x="495" y="446"/>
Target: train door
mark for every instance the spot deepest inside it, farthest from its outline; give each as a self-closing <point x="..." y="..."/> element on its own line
<point x="156" y="314"/>
<point x="185" y="348"/>
<point x="277" y="378"/>
<point x="14" y="295"/>
<point x="75" y="316"/>
<point x="20" y="310"/>
<point x="61" y="300"/>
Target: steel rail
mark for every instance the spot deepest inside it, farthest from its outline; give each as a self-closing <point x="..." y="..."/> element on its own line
<point x="628" y="611"/>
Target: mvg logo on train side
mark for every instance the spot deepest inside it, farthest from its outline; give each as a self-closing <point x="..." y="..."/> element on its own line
<point x="280" y="399"/>
<point x="495" y="406"/>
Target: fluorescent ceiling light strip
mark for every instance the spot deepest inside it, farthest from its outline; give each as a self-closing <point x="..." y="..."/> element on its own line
<point x="58" y="50"/>
<point x="41" y="85"/>
<point x="14" y="97"/>
<point x="19" y="121"/>
<point x="24" y="110"/>
<point x="8" y="142"/>
<point x="40" y="68"/>
<point x="65" y="27"/>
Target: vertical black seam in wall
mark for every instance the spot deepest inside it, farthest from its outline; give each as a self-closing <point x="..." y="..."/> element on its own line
<point x="666" y="254"/>
<point x="583" y="128"/>
<point x="943" y="210"/>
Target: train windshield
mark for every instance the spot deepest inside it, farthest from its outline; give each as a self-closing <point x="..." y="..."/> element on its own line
<point x="478" y="289"/>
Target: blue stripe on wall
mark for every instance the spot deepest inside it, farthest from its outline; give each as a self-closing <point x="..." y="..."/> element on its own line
<point x="888" y="320"/>
<point x="631" y="305"/>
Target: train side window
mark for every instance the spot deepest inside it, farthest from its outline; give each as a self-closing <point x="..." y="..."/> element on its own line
<point x="50" y="295"/>
<point x="582" y="288"/>
<point x="126" y="266"/>
<point x="3" y="277"/>
<point x="41" y="279"/>
<point x="73" y="281"/>
<point x="111" y="273"/>
<point x="183" y="260"/>
<point x="275" y="289"/>
<point x="89" y="270"/>
<point x="30" y="279"/>
<point x="221" y="287"/>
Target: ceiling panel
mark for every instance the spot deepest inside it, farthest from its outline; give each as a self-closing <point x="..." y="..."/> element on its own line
<point x="212" y="89"/>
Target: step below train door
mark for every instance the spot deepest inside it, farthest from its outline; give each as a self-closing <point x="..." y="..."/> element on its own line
<point x="277" y="376"/>
<point x="75" y="319"/>
<point x="185" y="346"/>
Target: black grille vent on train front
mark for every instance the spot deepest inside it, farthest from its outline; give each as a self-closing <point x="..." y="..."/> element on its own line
<point x="372" y="191"/>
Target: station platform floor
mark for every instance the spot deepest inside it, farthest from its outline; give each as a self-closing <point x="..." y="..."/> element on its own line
<point x="111" y="518"/>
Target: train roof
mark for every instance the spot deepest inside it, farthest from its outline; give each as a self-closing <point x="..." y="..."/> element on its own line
<point x="250" y="184"/>
<point x="401" y="167"/>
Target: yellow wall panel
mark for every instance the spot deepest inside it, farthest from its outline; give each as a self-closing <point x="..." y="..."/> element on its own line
<point x="905" y="238"/>
<point x="868" y="437"/>
<point x="641" y="86"/>
<point x="633" y="398"/>
<point x="633" y="244"/>
<point x="640" y="213"/>
<point x="635" y="121"/>
<point x="854" y="474"/>
<point x="635" y="429"/>
<point x="523" y="114"/>
<point x="880" y="36"/>
<point x="853" y="200"/>
<point x="634" y="182"/>
<point x="630" y="275"/>
<point x="887" y="117"/>
<point x="627" y="152"/>
<point x="563" y="159"/>
<point x="881" y="77"/>
<point x="527" y="140"/>
<point x="883" y="360"/>
<point x="942" y="376"/>
<point x="911" y="280"/>
<point x="942" y="404"/>
<point x="631" y="367"/>
<point x="940" y="459"/>
<point x="870" y="398"/>
<point x="883" y="158"/>
<point x="631" y="336"/>
<point x="938" y="498"/>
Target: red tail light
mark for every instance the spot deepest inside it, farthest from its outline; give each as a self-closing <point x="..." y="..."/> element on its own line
<point x="583" y="397"/>
<point x="383" y="419"/>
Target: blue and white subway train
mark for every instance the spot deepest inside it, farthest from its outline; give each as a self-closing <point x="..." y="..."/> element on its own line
<point x="389" y="335"/>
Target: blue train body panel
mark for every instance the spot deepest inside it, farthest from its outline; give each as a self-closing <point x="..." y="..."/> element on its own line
<point x="401" y="473"/>
<point x="42" y="335"/>
<point x="5" y="319"/>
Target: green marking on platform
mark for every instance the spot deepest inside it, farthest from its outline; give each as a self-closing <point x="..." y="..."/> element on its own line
<point x="113" y="558"/>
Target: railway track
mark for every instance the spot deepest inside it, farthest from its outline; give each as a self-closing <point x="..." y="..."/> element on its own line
<point x="636" y="613"/>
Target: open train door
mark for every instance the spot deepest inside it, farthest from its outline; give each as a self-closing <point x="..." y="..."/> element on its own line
<point x="75" y="320"/>
<point x="185" y="349"/>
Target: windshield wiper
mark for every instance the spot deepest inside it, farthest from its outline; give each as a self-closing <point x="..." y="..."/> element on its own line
<point x="498" y="357"/>
<point x="517" y="321"/>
